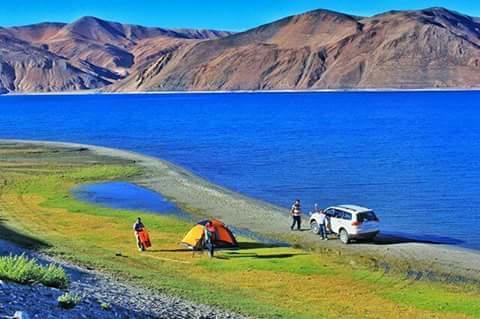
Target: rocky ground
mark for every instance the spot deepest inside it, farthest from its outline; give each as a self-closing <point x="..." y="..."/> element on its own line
<point x="124" y="300"/>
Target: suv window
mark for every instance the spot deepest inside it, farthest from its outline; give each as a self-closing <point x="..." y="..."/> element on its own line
<point x="367" y="216"/>
<point x="338" y="214"/>
<point x="330" y="212"/>
<point x="347" y="216"/>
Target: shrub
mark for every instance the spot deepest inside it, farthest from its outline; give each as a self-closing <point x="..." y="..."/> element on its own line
<point x="24" y="270"/>
<point x="68" y="300"/>
<point x="105" y="306"/>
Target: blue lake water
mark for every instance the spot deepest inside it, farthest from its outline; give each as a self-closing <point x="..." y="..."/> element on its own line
<point x="129" y="196"/>
<point x="413" y="157"/>
<point x="123" y="195"/>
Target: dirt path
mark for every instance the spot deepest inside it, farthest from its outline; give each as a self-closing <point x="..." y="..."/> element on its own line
<point x="200" y="197"/>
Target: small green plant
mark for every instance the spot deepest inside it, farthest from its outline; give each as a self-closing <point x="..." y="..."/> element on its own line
<point x="68" y="300"/>
<point x="105" y="306"/>
<point x="24" y="270"/>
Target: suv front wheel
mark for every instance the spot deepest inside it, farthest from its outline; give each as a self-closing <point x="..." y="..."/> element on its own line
<point x="315" y="227"/>
<point x="344" y="236"/>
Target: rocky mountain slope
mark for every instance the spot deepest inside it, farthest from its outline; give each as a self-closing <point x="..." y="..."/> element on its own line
<point x="322" y="49"/>
<point x="431" y="48"/>
<point x="89" y="53"/>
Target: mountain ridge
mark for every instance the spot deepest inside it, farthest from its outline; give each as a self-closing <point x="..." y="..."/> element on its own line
<point x="319" y="49"/>
<point x="88" y="53"/>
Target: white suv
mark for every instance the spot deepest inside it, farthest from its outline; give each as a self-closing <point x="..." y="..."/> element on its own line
<point x="349" y="222"/>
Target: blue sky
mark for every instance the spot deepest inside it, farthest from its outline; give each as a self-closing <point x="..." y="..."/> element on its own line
<point x="235" y="15"/>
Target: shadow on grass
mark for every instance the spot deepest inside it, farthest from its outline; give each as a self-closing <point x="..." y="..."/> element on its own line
<point x="260" y="256"/>
<point x="179" y="250"/>
<point x="241" y="246"/>
<point x="255" y="245"/>
<point x="23" y="240"/>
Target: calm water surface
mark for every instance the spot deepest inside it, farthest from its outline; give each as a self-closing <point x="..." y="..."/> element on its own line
<point x="413" y="157"/>
<point x="123" y="195"/>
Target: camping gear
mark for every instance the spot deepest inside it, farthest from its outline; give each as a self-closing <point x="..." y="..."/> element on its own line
<point x="224" y="238"/>
<point x="144" y="238"/>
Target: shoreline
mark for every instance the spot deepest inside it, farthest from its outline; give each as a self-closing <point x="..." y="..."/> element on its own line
<point x="204" y="199"/>
<point x="354" y="90"/>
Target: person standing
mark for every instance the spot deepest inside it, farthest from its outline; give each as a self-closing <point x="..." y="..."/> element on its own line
<point x="321" y="220"/>
<point x="137" y="228"/>
<point x="296" y="212"/>
<point x="209" y="237"/>
<point x="322" y="223"/>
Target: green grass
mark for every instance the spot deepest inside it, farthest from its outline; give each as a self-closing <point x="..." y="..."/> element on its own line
<point x="437" y="300"/>
<point x="256" y="280"/>
<point x="105" y="306"/>
<point x="68" y="300"/>
<point x="424" y="295"/>
<point x="268" y="259"/>
<point x="24" y="270"/>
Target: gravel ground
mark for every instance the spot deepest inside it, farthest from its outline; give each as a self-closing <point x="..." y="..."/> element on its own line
<point x="126" y="301"/>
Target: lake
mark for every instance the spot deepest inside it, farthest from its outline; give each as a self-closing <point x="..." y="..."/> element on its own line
<point x="414" y="157"/>
<point x="124" y="195"/>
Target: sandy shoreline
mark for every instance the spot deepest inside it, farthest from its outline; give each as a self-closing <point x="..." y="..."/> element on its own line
<point x="203" y="198"/>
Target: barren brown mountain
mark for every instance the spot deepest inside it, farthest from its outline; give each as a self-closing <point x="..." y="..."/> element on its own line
<point x="323" y="49"/>
<point x="89" y="53"/>
<point x="27" y="68"/>
<point x="432" y="48"/>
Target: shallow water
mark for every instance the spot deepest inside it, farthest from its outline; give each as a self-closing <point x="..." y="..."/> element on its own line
<point x="413" y="157"/>
<point x="129" y="196"/>
<point x="123" y="195"/>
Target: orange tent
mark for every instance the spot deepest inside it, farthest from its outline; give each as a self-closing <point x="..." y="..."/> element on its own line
<point x="223" y="236"/>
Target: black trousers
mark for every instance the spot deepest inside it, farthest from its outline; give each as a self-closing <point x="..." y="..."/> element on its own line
<point x="210" y="248"/>
<point x="296" y="220"/>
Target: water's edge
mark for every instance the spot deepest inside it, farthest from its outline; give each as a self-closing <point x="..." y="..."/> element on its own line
<point x="380" y="90"/>
<point x="186" y="189"/>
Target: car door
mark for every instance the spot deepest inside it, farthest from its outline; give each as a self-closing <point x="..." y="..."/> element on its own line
<point x="334" y="220"/>
<point x="340" y="221"/>
<point x="347" y="221"/>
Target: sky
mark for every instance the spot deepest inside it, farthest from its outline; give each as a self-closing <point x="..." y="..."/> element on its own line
<point x="233" y="15"/>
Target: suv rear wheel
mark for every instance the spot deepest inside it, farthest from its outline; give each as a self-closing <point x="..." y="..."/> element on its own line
<point x="344" y="236"/>
<point x="315" y="227"/>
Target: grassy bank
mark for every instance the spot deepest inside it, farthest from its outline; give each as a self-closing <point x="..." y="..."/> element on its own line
<point x="270" y="282"/>
<point x="24" y="270"/>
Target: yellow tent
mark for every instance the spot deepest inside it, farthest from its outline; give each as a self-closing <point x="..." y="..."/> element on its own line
<point x="223" y="236"/>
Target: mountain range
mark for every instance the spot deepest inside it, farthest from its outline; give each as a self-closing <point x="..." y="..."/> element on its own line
<point x="321" y="49"/>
